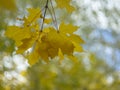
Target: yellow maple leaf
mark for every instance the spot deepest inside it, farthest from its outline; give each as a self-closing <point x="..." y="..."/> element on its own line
<point x="60" y="41"/>
<point x="76" y="40"/>
<point x="51" y="44"/>
<point x="77" y="48"/>
<point x="46" y="44"/>
<point x="67" y="28"/>
<point x="34" y="14"/>
<point x="18" y="34"/>
<point x="33" y="57"/>
<point x="26" y="44"/>
<point x="65" y="4"/>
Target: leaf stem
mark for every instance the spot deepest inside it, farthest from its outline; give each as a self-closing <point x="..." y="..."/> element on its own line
<point x="46" y="7"/>
<point x="54" y="16"/>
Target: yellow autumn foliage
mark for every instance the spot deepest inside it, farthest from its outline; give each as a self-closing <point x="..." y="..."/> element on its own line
<point x="9" y="5"/>
<point x="65" y="4"/>
<point x="44" y="44"/>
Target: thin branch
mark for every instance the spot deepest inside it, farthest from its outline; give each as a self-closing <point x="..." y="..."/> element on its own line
<point x="54" y="16"/>
<point x="46" y="7"/>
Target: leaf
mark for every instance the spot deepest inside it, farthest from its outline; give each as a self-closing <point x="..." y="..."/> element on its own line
<point x="77" y="48"/>
<point x="34" y="14"/>
<point x="33" y="57"/>
<point x="26" y="44"/>
<point x="18" y="34"/>
<point x="67" y="28"/>
<point x="58" y="40"/>
<point x="65" y="4"/>
<point x="76" y="38"/>
<point x="43" y="51"/>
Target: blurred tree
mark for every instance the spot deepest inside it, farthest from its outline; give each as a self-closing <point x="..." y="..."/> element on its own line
<point x="72" y="76"/>
<point x="99" y="22"/>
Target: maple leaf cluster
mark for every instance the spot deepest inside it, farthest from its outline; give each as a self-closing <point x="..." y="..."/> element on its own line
<point x="47" y="42"/>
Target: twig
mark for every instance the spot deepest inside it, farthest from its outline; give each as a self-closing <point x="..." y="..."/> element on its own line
<point x="46" y="7"/>
<point x="54" y="16"/>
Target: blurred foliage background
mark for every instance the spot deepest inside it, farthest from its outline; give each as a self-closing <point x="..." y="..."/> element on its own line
<point x="98" y="68"/>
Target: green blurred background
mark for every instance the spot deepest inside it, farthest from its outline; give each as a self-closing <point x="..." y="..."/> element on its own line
<point x="98" y="68"/>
